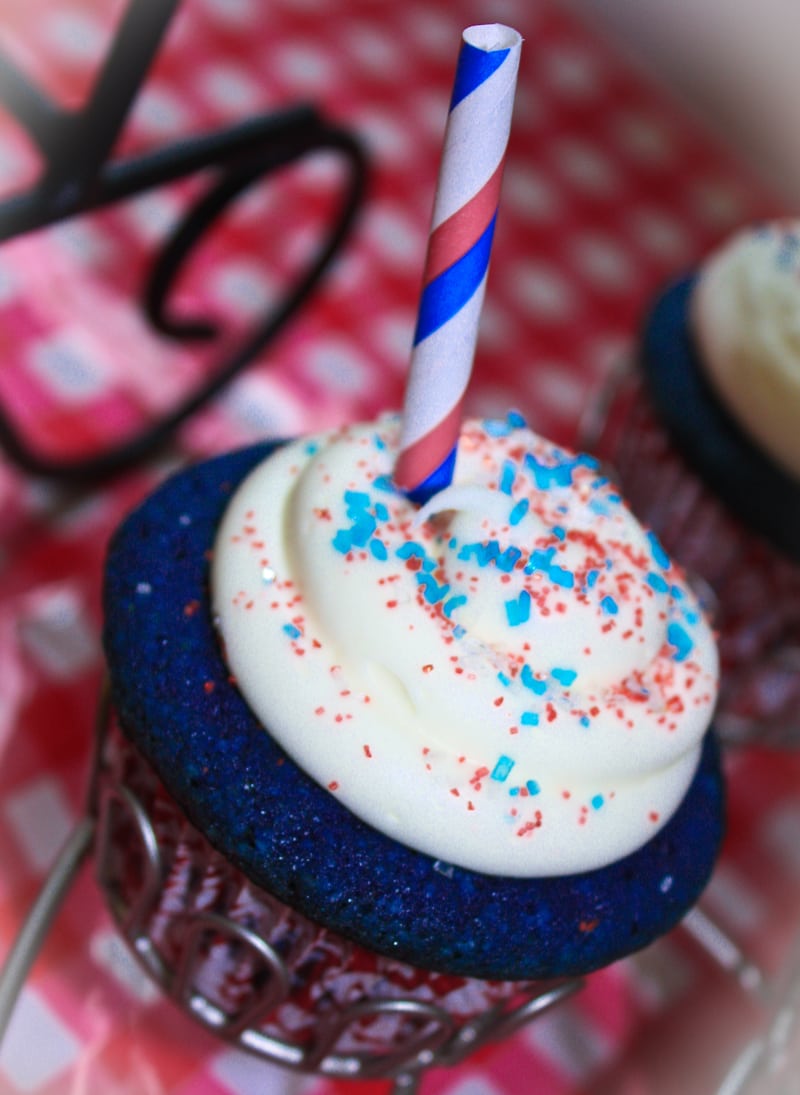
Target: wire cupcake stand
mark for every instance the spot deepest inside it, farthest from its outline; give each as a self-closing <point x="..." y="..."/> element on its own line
<point x="405" y="1035"/>
<point x="422" y="1034"/>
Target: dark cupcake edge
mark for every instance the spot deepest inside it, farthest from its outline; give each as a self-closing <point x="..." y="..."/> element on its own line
<point x="174" y="700"/>
<point x="756" y="490"/>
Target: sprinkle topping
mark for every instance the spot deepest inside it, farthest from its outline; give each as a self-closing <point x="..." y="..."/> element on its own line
<point x="530" y="670"/>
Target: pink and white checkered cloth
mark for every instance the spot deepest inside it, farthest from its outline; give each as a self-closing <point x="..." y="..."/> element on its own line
<point x="608" y="190"/>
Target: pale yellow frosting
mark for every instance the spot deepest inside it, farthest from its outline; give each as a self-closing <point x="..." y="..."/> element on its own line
<point x="745" y="316"/>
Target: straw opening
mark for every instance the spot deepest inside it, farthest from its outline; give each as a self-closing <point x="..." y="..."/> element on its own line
<point x="492" y="36"/>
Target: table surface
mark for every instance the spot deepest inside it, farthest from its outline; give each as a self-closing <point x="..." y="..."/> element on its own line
<point x="610" y="188"/>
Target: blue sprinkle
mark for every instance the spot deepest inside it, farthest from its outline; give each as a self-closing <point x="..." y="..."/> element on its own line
<point x="342" y="541"/>
<point x="409" y="548"/>
<point x="529" y="718"/>
<point x="691" y="617"/>
<point x="384" y="483"/>
<point x="292" y="631"/>
<point x="533" y="787"/>
<point x="597" y="801"/>
<point x="519" y="611"/>
<point x="677" y="592"/>
<point x="515" y="420"/>
<point x="482" y="553"/>
<point x="609" y="606"/>
<point x="432" y="591"/>
<point x="381" y="512"/>
<point x="540" y="560"/>
<point x="656" y="582"/>
<point x="496" y="427"/>
<point x="560" y="474"/>
<point x="519" y="511"/>
<point x="559" y="532"/>
<point x="681" y="640"/>
<point x="542" y="475"/>
<point x="504" y="679"/>
<point x="378" y="549"/>
<point x="564" y="676"/>
<point x="659" y="554"/>
<point x="561" y="577"/>
<point x="507" y="477"/>
<point x="585" y="720"/>
<point x="502" y="769"/>
<point x="531" y="682"/>
<point x="508" y="559"/>
<point x="454" y="603"/>
<point x="311" y="447"/>
<point x="513" y="791"/>
<point x="356" y="500"/>
<point x="591" y="578"/>
<point x="459" y="632"/>
<point x="379" y="442"/>
<point x="362" y="530"/>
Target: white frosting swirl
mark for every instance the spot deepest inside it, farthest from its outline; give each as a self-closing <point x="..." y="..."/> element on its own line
<point x="746" y="321"/>
<point x="513" y="679"/>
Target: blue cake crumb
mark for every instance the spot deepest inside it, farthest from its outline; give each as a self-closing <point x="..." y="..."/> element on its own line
<point x="175" y="701"/>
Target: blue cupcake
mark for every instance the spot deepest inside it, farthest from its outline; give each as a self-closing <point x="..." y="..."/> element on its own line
<point x="473" y="911"/>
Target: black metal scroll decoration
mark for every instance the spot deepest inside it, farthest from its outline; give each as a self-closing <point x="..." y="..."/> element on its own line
<point x="79" y="176"/>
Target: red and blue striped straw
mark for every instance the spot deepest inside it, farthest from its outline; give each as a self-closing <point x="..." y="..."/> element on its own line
<point x="454" y="279"/>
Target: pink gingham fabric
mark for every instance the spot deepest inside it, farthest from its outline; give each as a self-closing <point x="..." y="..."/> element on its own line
<point x="609" y="188"/>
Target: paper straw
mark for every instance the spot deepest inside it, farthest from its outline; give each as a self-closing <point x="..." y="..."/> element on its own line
<point x="454" y="279"/>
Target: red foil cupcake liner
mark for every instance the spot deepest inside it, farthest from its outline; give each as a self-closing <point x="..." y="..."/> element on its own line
<point x="751" y="590"/>
<point x="260" y="974"/>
